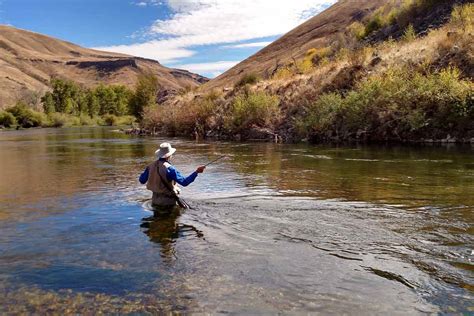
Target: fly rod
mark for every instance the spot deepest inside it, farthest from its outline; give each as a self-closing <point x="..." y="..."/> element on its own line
<point x="215" y="160"/>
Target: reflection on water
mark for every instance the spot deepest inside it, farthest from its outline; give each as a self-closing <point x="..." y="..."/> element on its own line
<point x="164" y="229"/>
<point x="273" y="228"/>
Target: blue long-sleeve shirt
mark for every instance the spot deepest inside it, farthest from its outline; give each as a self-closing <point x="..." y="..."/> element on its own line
<point x="171" y="174"/>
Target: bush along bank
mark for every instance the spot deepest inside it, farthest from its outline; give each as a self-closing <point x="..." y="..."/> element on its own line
<point x="401" y="104"/>
<point x="416" y="89"/>
<point x="69" y="104"/>
<point x="23" y="116"/>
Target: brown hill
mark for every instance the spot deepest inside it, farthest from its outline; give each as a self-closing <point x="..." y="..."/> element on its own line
<point x="316" y="32"/>
<point x="29" y="60"/>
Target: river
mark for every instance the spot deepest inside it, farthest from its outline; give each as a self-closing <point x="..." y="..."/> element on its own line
<point x="273" y="227"/>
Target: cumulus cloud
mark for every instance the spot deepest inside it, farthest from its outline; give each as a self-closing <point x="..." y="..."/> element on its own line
<point x="195" y="23"/>
<point x="214" y="67"/>
<point x="203" y="22"/>
<point x="145" y="3"/>
<point x="162" y="50"/>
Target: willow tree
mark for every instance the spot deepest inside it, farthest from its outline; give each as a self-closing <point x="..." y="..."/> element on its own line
<point x="146" y="91"/>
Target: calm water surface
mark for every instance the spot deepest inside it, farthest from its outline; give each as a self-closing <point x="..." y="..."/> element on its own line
<point x="274" y="228"/>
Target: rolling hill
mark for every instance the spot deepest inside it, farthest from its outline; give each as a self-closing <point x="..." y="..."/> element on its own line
<point x="29" y="60"/>
<point x="316" y="32"/>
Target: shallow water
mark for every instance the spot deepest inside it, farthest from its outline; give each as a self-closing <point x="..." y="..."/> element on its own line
<point x="274" y="228"/>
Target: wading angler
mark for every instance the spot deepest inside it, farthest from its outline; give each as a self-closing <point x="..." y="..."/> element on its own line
<point x="162" y="179"/>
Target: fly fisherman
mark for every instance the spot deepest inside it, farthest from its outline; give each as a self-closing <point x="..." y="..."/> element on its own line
<point x="161" y="178"/>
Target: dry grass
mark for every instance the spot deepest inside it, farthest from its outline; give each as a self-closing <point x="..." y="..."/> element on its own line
<point x="344" y="69"/>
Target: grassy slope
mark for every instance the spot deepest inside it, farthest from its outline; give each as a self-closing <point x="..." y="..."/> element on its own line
<point x="316" y="32"/>
<point x="298" y="90"/>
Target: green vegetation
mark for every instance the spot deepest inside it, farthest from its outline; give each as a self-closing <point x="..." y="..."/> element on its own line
<point x="409" y="35"/>
<point x="68" y="97"/>
<point x="145" y="95"/>
<point x="7" y="119"/>
<point x="390" y="14"/>
<point x="69" y="104"/>
<point x="463" y="17"/>
<point x="246" y="111"/>
<point x="314" y="57"/>
<point x="25" y="116"/>
<point x="401" y="103"/>
<point x="253" y="109"/>
<point x="197" y="116"/>
<point x="410" y="89"/>
<point x="247" y="79"/>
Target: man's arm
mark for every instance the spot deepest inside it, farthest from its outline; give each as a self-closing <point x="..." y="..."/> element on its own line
<point x="173" y="174"/>
<point x="144" y="176"/>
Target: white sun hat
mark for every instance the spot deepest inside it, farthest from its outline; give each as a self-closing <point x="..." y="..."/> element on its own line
<point x="165" y="151"/>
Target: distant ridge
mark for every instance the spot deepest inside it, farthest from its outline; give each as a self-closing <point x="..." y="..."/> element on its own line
<point x="29" y="60"/>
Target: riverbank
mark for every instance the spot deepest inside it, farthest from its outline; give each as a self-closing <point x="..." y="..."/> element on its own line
<point x="268" y="136"/>
<point x="416" y="89"/>
<point x="22" y="116"/>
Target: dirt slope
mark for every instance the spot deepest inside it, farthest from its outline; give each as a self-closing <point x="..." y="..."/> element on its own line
<point x="28" y="61"/>
<point x="316" y="32"/>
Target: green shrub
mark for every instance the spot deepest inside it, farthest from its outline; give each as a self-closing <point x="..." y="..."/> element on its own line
<point x="86" y="120"/>
<point x="254" y="109"/>
<point x="316" y="56"/>
<point x="113" y="120"/>
<point x="411" y="9"/>
<point x="409" y="35"/>
<point x="399" y="104"/>
<point x="110" y="120"/>
<point x="283" y="73"/>
<point x="58" y="119"/>
<point x="374" y="24"/>
<point x="126" y="120"/>
<point x="357" y="29"/>
<point x="247" y="79"/>
<point x="7" y="119"/>
<point x="74" y="121"/>
<point x="463" y="16"/>
<point x="27" y="117"/>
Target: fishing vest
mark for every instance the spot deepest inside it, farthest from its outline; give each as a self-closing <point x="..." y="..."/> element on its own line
<point x="154" y="183"/>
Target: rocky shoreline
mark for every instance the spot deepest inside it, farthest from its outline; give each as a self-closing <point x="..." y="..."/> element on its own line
<point x="269" y="136"/>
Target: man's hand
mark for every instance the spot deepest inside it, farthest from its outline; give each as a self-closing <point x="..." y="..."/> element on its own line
<point x="200" y="169"/>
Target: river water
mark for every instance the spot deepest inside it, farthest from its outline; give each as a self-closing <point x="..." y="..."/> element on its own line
<point x="273" y="228"/>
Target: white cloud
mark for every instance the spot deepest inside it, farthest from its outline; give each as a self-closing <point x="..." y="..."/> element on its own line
<point x="213" y="22"/>
<point x="145" y="3"/>
<point x="162" y="51"/>
<point x="247" y="45"/>
<point x="213" y="67"/>
<point x="202" y="22"/>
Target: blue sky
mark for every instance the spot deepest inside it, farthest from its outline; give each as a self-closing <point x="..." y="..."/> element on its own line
<point x="203" y="36"/>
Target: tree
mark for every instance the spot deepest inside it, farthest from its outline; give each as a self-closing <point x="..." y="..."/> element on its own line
<point x="93" y="105"/>
<point x="146" y="90"/>
<point x="106" y="98"/>
<point x="48" y="103"/>
<point x="65" y="95"/>
<point x="123" y="98"/>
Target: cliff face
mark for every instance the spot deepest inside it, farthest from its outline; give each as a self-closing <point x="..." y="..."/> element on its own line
<point x="29" y="60"/>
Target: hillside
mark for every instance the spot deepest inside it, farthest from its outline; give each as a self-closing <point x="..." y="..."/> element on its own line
<point x="380" y="71"/>
<point x="29" y="60"/>
<point x="316" y="32"/>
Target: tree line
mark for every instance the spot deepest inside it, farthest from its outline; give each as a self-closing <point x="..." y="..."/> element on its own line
<point x="68" y="97"/>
